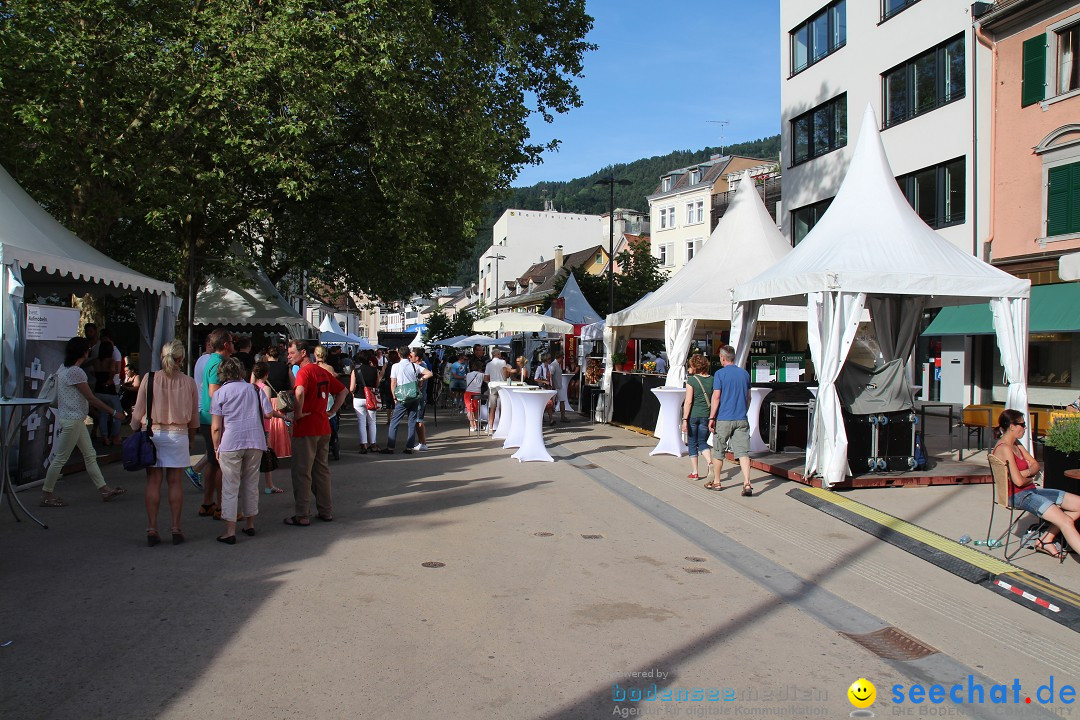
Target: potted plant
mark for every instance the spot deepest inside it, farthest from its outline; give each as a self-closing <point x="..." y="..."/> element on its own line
<point x="618" y="360"/>
<point x="1061" y="452"/>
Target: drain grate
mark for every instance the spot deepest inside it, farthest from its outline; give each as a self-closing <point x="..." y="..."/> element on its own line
<point x="695" y="558"/>
<point x="543" y="533"/>
<point x="433" y="564"/>
<point x="592" y="537"/>
<point x="697" y="570"/>
<point x="892" y="644"/>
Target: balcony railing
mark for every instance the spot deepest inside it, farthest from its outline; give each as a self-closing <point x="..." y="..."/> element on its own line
<point x="769" y="192"/>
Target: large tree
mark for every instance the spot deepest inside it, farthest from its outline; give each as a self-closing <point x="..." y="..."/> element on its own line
<point x="355" y="141"/>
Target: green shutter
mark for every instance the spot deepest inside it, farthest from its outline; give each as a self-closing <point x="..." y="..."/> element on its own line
<point x="1063" y="200"/>
<point x="1033" y="87"/>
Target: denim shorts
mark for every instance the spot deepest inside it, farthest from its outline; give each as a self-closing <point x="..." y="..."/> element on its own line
<point x="1038" y="500"/>
<point x="697" y="435"/>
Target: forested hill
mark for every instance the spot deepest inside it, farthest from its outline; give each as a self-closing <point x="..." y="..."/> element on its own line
<point x="582" y="195"/>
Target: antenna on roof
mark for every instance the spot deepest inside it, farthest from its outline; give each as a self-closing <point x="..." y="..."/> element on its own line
<point x="721" y="123"/>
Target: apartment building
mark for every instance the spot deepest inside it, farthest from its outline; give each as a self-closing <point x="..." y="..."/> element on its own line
<point x="910" y="61"/>
<point x="681" y="209"/>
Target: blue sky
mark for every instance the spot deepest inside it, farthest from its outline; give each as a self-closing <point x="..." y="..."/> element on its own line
<point x="660" y="72"/>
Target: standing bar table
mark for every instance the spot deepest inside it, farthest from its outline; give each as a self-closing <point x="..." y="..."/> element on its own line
<point x="506" y="412"/>
<point x="532" y="403"/>
<point x="9" y="407"/>
<point x="670" y="421"/>
<point x="517" y="419"/>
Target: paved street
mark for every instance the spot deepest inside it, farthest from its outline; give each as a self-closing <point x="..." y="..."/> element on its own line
<point x="342" y="619"/>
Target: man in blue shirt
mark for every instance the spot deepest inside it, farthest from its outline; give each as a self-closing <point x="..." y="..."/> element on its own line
<point x="727" y="417"/>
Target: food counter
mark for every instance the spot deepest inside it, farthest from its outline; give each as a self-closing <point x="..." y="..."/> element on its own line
<point x="634" y="403"/>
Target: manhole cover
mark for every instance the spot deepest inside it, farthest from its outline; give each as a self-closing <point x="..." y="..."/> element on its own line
<point x="543" y="533"/>
<point x="592" y="537"/>
<point x="697" y="570"/>
<point x="433" y="564"/>
<point x="892" y="644"/>
<point x="695" y="558"/>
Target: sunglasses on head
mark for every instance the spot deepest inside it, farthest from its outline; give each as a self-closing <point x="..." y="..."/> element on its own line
<point x="1020" y="423"/>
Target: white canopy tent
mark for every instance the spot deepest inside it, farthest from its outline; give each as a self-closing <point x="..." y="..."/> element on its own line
<point x="330" y="334"/>
<point x="871" y="248"/>
<point x="254" y="302"/>
<point x="515" y="322"/>
<point x="38" y="251"/>
<point x="698" y="297"/>
<point x="1069" y="266"/>
<point x="576" y="309"/>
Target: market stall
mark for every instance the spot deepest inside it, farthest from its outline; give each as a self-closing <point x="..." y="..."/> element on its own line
<point x="253" y="302"/>
<point x="696" y="304"/>
<point x="871" y="250"/>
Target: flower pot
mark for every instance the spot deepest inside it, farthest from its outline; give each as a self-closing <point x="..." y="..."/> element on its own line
<point x="1055" y="463"/>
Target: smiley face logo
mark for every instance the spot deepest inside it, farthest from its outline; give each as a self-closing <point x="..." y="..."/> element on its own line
<point x="862" y="693"/>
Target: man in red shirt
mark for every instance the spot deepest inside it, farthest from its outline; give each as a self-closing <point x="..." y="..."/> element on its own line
<point x="313" y="388"/>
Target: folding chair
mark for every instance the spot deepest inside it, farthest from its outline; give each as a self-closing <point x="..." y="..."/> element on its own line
<point x="1000" y="472"/>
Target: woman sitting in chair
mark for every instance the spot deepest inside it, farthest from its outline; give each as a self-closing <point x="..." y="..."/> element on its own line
<point x="1057" y="507"/>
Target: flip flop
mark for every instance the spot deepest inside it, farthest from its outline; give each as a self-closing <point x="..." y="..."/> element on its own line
<point x="52" y="502"/>
<point x="107" y="496"/>
<point x="295" y="521"/>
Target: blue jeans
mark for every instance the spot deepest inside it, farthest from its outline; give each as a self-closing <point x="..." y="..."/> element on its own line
<point x="107" y="424"/>
<point x="697" y="435"/>
<point x="395" y="419"/>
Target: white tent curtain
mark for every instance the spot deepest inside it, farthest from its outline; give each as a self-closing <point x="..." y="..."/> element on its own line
<point x="833" y="319"/>
<point x="13" y="318"/>
<point x="155" y="315"/>
<point x="743" y="323"/>
<point x="615" y="340"/>
<point x="1011" y="326"/>
<point x="678" y="332"/>
<point x="896" y="323"/>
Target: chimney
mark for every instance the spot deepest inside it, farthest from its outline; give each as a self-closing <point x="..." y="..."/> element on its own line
<point x="558" y="258"/>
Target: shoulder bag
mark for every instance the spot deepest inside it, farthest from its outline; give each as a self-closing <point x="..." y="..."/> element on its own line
<point x="371" y="398"/>
<point x="138" y="451"/>
<point x="408" y="393"/>
<point x="269" y="461"/>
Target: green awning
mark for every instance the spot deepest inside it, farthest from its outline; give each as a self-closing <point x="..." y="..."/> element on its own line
<point x="1054" y="308"/>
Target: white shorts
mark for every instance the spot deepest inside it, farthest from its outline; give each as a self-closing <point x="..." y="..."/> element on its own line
<point x="172" y="448"/>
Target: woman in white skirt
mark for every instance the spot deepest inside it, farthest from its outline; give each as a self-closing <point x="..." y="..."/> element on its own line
<point x="174" y="418"/>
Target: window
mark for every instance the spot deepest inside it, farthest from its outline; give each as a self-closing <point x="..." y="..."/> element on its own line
<point x="665" y="184"/>
<point x="695" y="212"/>
<point x="924" y="83"/>
<point x="937" y="193"/>
<point x="1063" y="200"/>
<point x="666" y="254"/>
<point x="599" y="259"/>
<point x="1068" y="60"/>
<point x="692" y="248"/>
<point x="1050" y="359"/>
<point x="824" y="33"/>
<point x="695" y="177"/>
<point x="890" y="8"/>
<point x="667" y="217"/>
<point x="805" y="218"/>
<point x="819" y="131"/>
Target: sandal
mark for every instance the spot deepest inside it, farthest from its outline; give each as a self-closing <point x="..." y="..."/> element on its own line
<point x="274" y="490"/>
<point x="207" y="510"/>
<point x="297" y="521"/>
<point x="152" y="537"/>
<point x="177" y="536"/>
<point x="52" y="501"/>
<point x="714" y="485"/>
<point x="109" y="494"/>
<point x="1045" y="548"/>
<point x="747" y="491"/>
<point x="325" y="518"/>
<point x="693" y="476"/>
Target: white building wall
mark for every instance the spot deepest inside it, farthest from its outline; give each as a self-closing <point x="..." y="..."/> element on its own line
<point x="671" y="243"/>
<point x="872" y="48"/>
<point x="526" y="237"/>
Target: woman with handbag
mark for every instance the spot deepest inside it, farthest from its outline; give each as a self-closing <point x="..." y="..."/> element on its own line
<point x="73" y="401"/>
<point x="167" y="401"/>
<point x="696" y="416"/>
<point x="259" y="374"/>
<point x="364" y="388"/>
<point x="237" y="413"/>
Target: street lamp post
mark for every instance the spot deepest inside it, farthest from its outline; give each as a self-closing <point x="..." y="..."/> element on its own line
<point x="496" y="257"/>
<point x="611" y="182"/>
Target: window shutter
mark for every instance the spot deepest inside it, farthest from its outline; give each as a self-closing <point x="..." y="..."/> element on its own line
<point x="1063" y="200"/>
<point x="1033" y="87"/>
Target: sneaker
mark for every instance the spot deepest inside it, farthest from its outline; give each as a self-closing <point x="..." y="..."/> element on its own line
<point x="194" y="477"/>
<point x="422" y="447"/>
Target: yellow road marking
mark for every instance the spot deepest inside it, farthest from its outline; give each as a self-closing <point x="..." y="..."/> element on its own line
<point x="974" y="557"/>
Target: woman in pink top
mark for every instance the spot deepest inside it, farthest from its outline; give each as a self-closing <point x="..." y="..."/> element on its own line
<point x="1057" y="507"/>
<point x="174" y="417"/>
<point x="259" y="374"/>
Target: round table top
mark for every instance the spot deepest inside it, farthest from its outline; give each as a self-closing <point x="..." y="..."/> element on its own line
<point x="1073" y="474"/>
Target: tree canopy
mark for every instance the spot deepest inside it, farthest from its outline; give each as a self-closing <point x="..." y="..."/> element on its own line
<point x="354" y="141"/>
